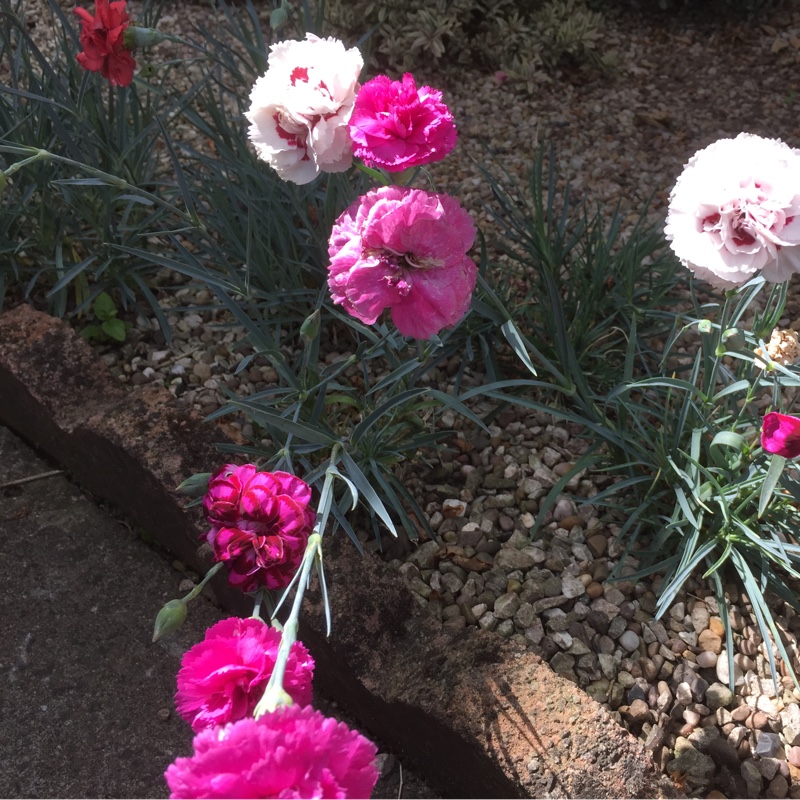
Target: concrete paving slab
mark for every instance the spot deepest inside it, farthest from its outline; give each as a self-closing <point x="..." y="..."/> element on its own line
<point x="87" y="699"/>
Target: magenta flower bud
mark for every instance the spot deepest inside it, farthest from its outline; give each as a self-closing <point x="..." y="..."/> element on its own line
<point x="780" y="434"/>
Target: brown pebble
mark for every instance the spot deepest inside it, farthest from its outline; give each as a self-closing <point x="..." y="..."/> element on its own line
<point x="594" y="590"/>
<point x="686" y="729"/>
<point x="727" y="728"/>
<point x="715" y="795"/>
<point x="778" y="787"/>
<point x="741" y="713"/>
<point x="715" y="625"/>
<point x="744" y="749"/>
<point x="710" y="642"/>
<point x="748" y="647"/>
<point x="164" y="714"/>
<point x="572" y="521"/>
<point x="597" y="545"/>
<point x="793" y="756"/>
<point x="759" y="721"/>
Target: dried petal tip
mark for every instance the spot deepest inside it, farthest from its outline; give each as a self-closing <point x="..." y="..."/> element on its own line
<point x="169" y="619"/>
<point x="780" y="434"/>
<point x="783" y="347"/>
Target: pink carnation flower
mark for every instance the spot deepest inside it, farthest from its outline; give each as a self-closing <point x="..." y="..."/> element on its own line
<point x="396" y="126"/>
<point x="293" y="752"/>
<point x="780" y="434"/>
<point x="223" y="677"/>
<point x="735" y="211"/>
<point x="261" y="524"/>
<point x="299" y="109"/>
<point x="403" y="249"/>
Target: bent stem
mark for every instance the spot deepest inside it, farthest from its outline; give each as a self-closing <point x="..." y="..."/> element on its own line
<point x="275" y="695"/>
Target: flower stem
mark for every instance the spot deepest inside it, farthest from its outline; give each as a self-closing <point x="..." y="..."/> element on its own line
<point x="275" y="695"/>
<point x="206" y="578"/>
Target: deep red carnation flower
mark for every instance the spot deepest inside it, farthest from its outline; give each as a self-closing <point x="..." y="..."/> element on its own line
<point x="223" y="677"/>
<point x="261" y="524"/>
<point x="102" y="40"/>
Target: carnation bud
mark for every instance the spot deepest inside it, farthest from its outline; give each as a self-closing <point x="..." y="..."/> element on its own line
<point x="704" y="326"/>
<point x="169" y="619"/>
<point x="196" y="485"/>
<point x="141" y="37"/>
<point x="278" y="18"/>
<point x="310" y="327"/>
<point x="733" y="339"/>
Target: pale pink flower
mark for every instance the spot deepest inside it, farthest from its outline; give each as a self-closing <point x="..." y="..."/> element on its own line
<point x="299" y="109"/>
<point x="735" y="211"/>
<point x="406" y="250"/>
<point x="397" y="126"/>
<point x="222" y="678"/>
<point x="293" y="752"/>
<point x="780" y="434"/>
<point x="260" y="524"/>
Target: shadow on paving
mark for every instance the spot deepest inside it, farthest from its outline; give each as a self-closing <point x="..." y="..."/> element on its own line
<point x="87" y="701"/>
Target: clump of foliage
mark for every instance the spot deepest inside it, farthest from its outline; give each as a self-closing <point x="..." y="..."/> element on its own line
<point x="519" y="38"/>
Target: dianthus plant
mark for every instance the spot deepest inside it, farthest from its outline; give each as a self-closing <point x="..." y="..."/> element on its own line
<point x="702" y="439"/>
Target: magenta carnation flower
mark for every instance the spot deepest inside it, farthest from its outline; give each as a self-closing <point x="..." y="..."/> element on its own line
<point x="261" y="523"/>
<point x="403" y="249"/>
<point x="780" y="434"/>
<point x="223" y="677"/>
<point x="397" y="126"/>
<point x="293" y="752"/>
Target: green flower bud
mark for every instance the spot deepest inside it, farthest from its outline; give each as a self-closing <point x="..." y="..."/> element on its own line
<point x="169" y="619"/>
<point x="734" y="339"/>
<point x="310" y="327"/>
<point x="704" y="326"/>
<point x="196" y="485"/>
<point x="278" y="18"/>
<point x="134" y="37"/>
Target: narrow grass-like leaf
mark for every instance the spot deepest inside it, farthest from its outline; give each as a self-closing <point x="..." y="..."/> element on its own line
<point x="773" y="476"/>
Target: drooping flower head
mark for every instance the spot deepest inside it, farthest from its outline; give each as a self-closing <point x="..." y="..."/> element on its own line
<point x="261" y="523"/>
<point x="299" y="109"/>
<point x="406" y="250"/>
<point x="735" y="211"/>
<point x="102" y="40"/>
<point x="293" y="752"/>
<point x="397" y="126"/>
<point x="223" y="677"/>
<point x="780" y="434"/>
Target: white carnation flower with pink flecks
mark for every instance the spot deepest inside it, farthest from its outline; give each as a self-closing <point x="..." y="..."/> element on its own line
<point x="299" y="109"/>
<point x="735" y="211"/>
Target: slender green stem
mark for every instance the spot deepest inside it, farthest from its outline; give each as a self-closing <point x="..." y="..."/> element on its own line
<point x="206" y="578"/>
<point x="275" y="695"/>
